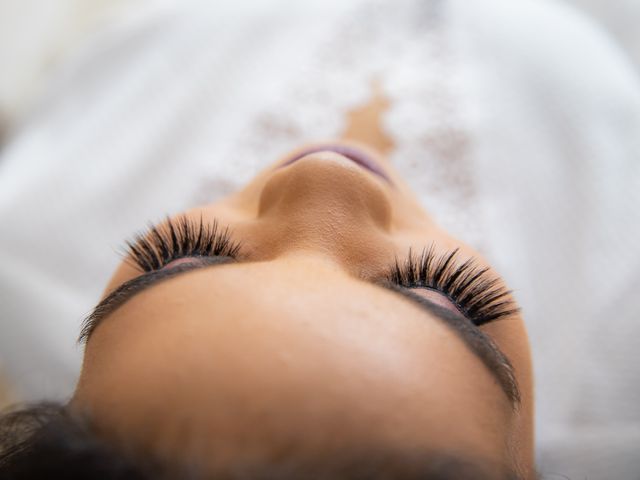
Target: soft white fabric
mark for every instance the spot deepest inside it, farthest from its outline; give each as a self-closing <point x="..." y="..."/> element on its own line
<point x="517" y="122"/>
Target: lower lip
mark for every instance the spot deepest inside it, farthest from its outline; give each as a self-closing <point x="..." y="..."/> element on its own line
<point x="354" y="154"/>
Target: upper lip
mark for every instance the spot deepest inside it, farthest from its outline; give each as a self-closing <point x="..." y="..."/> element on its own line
<point x="352" y="153"/>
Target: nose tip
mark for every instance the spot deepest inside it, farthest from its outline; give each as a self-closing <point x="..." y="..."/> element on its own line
<point x="326" y="191"/>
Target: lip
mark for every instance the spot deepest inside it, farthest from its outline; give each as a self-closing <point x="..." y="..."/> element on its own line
<point x="354" y="154"/>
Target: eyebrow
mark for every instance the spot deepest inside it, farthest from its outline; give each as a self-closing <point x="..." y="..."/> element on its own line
<point x="481" y="345"/>
<point x="129" y="289"/>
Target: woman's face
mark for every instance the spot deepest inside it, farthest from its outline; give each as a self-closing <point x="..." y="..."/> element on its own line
<point x="301" y="341"/>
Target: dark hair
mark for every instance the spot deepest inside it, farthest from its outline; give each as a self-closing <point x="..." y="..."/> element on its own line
<point x="48" y="441"/>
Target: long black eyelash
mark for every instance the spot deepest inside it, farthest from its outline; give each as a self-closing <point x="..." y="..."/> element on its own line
<point x="178" y="238"/>
<point x="475" y="292"/>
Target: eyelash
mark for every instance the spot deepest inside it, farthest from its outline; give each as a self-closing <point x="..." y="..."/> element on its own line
<point x="180" y="238"/>
<point x="477" y="294"/>
<point x="472" y="289"/>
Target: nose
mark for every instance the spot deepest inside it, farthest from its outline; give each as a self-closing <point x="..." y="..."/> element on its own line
<point x="323" y="197"/>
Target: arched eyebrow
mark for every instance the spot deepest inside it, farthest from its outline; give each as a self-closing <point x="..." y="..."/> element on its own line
<point x="478" y="342"/>
<point x="129" y="289"/>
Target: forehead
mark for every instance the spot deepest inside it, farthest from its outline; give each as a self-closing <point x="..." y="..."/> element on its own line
<point x="284" y="345"/>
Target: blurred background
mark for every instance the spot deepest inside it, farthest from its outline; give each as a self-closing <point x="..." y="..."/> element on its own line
<point x="37" y="36"/>
<point x="517" y="122"/>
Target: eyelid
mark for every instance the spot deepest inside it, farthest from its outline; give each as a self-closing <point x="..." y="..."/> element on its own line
<point x="423" y="302"/>
<point x="437" y="298"/>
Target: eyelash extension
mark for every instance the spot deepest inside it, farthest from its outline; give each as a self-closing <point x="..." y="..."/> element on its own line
<point x="179" y="238"/>
<point x="471" y="288"/>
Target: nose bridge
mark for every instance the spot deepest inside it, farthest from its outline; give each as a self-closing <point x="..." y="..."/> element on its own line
<point x="326" y="206"/>
<point x="331" y="231"/>
<point x="325" y="191"/>
<point x="362" y="253"/>
<point x="360" y="248"/>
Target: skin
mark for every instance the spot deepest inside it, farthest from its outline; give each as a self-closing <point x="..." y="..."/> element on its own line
<point x="294" y="347"/>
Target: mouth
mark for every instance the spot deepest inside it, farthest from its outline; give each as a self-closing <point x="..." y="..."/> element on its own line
<point x="357" y="156"/>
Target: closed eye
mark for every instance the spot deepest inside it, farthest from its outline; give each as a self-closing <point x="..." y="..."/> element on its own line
<point x="179" y="238"/>
<point x="469" y="287"/>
